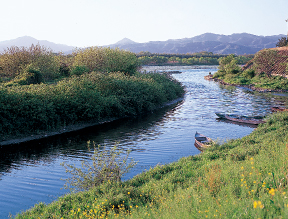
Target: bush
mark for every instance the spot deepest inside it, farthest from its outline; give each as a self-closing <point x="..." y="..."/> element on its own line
<point x="15" y="60"/>
<point x="106" y="60"/>
<point x="86" y="98"/>
<point x="108" y="165"/>
<point x="248" y="73"/>
<point x="79" y="70"/>
<point x="30" y="75"/>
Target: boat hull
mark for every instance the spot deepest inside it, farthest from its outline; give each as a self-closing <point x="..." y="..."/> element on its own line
<point x="248" y="120"/>
<point x="202" y="142"/>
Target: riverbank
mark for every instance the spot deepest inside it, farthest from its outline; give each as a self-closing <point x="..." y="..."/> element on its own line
<point x="38" y="111"/>
<point x="249" y="87"/>
<point x="70" y="128"/>
<point x="243" y="178"/>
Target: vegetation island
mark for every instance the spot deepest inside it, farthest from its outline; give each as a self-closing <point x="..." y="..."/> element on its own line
<point x="242" y="178"/>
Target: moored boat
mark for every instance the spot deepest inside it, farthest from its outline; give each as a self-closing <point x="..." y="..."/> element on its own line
<point x="256" y="120"/>
<point x="278" y="109"/>
<point x="202" y="142"/>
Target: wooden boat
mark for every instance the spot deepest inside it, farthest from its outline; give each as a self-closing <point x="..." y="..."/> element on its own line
<point x="237" y="123"/>
<point x="256" y="120"/>
<point x="202" y="142"/>
<point x="278" y="109"/>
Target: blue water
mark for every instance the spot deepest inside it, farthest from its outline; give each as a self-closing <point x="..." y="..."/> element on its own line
<point x="31" y="173"/>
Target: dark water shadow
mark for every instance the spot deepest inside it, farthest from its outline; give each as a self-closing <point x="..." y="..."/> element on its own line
<point x="75" y="143"/>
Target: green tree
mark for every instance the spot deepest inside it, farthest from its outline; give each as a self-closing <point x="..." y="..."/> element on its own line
<point x="229" y="65"/>
<point x="283" y="41"/>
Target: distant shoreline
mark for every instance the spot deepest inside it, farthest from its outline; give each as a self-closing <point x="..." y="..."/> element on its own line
<point x="158" y="68"/>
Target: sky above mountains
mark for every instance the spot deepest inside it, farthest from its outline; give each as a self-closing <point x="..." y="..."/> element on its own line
<point x="83" y="23"/>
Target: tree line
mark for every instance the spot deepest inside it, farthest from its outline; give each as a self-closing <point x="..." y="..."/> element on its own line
<point x="201" y="58"/>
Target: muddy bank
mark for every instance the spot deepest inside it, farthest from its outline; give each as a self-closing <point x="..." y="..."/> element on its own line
<point x="11" y="140"/>
<point x="247" y="87"/>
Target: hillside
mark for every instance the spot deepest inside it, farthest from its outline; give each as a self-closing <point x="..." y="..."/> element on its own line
<point x="272" y="62"/>
<point x="27" y="41"/>
<point x="239" y="44"/>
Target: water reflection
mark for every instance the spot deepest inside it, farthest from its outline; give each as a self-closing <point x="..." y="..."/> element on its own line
<point x="124" y="132"/>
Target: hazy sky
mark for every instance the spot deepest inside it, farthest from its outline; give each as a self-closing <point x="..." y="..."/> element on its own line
<point x="101" y="22"/>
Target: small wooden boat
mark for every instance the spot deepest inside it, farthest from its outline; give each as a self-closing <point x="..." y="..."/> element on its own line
<point x="202" y="142"/>
<point x="278" y="109"/>
<point x="256" y="120"/>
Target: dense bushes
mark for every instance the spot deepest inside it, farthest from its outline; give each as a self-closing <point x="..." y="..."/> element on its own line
<point x="85" y="98"/>
<point x="15" y="62"/>
<point x="106" y="60"/>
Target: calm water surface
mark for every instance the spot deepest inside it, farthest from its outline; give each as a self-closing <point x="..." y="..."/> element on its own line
<point x="31" y="172"/>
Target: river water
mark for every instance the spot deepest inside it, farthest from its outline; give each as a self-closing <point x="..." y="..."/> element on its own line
<point x="31" y="173"/>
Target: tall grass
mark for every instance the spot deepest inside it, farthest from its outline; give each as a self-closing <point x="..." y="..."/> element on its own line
<point x="243" y="178"/>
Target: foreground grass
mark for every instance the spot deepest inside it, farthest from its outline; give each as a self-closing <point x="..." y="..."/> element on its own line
<point x="244" y="178"/>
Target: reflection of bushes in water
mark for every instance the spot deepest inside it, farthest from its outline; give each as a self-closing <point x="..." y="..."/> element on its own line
<point x="85" y="98"/>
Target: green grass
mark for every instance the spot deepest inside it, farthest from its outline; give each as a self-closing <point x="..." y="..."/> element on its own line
<point x="243" y="178"/>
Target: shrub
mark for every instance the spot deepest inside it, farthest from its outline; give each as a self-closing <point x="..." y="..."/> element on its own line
<point x="108" y="165"/>
<point x="283" y="41"/>
<point x="79" y="70"/>
<point x="86" y="98"/>
<point x="14" y="60"/>
<point x="106" y="60"/>
<point x="249" y="73"/>
<point x="30" y="75"/>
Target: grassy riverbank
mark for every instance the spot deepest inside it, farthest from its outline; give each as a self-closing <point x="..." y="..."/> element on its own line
<point x="266" y="72"/>
<point x="243" y="178"/>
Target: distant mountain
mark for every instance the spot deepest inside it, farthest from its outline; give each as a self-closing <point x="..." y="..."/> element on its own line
<point x="125" y="41"/>
<point x="239" y="44"/>
<point x="27" y="41"/>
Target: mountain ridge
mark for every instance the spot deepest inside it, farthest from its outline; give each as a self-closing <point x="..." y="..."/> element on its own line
<point x="237" y="43"/>
<point x="27" y="41"/>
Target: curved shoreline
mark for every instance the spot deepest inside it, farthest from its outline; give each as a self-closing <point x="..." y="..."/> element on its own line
<point x="69" y="128"/>
<point x="247" y="87"/>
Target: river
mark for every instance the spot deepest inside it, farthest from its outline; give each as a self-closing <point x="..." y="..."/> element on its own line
<point x="31" y="172"/>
